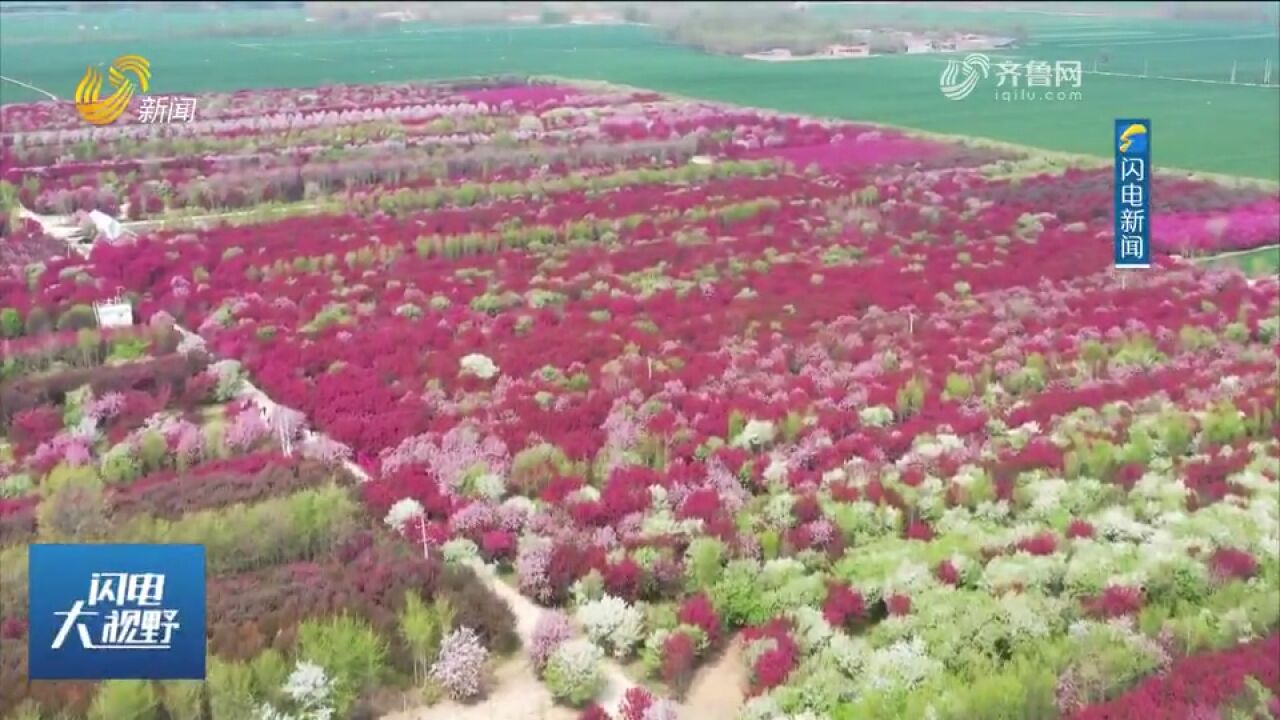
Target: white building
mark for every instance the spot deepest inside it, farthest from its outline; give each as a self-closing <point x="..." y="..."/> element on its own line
<point x="862" y="50"/>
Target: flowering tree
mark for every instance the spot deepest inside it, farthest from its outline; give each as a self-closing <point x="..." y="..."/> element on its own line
<point x="285" y="423"/>
<point x="573" y="672"/>
<point x="552" y="631"/>
<point x="325" y="449"/>
<point x="404" y="512"/>
<point x="310" y="693"/>
<point x="460" y="667"/>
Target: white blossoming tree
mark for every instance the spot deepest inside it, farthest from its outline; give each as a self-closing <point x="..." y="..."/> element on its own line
<point x="285" y="423"/>
<point x="309" y="694"/>
<point x="613" y="623"/>
<point x="479" y="365"/>
<point x="405" y="511"/>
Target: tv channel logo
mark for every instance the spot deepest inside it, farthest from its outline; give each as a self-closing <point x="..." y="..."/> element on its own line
<point x="128" y="75"/>
<point x="1132" y="143"/>
<point x="111" y="612"/>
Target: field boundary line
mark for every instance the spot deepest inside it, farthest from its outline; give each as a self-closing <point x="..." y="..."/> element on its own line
<point x="1173" y="40"/>
<point x="269" y="48"/>
<point x="29" y="86"/>
<point x="1182" y="79"/>
<point x="1232" y="253"/>
<point x="1137" y="76"/>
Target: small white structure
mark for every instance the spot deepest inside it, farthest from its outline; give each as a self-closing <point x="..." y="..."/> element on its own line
<point x="861" y="50"/>
<point x="774" y="55"/>
<point x="116" y="312"/>
<point x="107" y="226"/>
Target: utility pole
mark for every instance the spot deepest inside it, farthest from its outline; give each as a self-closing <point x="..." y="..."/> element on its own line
<point x="1233" y="72"/>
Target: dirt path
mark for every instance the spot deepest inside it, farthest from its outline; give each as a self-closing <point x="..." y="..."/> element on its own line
<point x="719" y="689"/>
<point x="527" y="613"/>
<point x="515" y="694"/>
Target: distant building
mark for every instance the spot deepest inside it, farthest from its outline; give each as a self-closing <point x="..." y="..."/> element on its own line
<point x="399" y="15"/>
<point x="595" y="18"/>
<point x="861" y="50"/>
<point x="916" y="46"/>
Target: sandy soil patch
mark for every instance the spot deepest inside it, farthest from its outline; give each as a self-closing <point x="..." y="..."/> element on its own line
<point x="719" y="688"/>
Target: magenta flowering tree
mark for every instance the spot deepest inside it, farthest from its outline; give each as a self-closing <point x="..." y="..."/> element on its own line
<point x="104" y="407"/>
<point x="451" y="457"/>
<point x="245" y="430"/>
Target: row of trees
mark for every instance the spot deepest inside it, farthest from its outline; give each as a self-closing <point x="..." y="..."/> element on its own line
<point x="743" y="28"/>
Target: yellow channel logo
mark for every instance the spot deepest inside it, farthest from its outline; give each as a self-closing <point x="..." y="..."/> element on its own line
<point x="105" y="111"/>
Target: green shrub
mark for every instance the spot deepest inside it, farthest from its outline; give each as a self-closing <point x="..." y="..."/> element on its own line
<point x="73" y="406"/>
<point x="89" y="345"/>
<point x="153" y="450"/>
<point x="532" y="468"/>
<point x="128" y="348"/>
<point x="120" y="466"/>
<point x="77" y="317"/>
<point x="270" y="671"/>
<point x="10" y="323"/>
<point x="230" y="688"/>
<point x="16" y="485"/>
<point x="73" y="507"/>
<point x="703" y="562"/>
<point x="182" y="699"/>
<point x="124" y="700"/>
<point x="242" y="537"/>
<point x="573" y="672"/>
<point x="474" y="605"/>
<point x="422" y="627"/>
<point x="28" y="710"/>
<point x="736" y="596"/>
<point x="38" y="322"/>
<point x="349" y="651"/>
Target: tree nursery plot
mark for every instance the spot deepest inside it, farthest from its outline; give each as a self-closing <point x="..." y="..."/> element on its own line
<point x="874" y="408"/>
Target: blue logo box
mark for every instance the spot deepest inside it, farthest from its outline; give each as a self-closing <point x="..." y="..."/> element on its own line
<point x="1131" y="140"/>
<point x="106" y="612"/>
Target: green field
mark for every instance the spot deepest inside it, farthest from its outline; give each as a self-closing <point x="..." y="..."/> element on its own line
<point x="1207" y="125"/>
<point x="1258" y="263"/>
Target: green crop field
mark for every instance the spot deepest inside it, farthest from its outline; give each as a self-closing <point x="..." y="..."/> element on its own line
<point x="1201" y="120"/>
<point x="1258" y="263"/>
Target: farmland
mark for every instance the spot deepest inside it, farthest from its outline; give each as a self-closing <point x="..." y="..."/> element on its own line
<point x="1206" y="125"/>
<point x="671" y="377"/>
